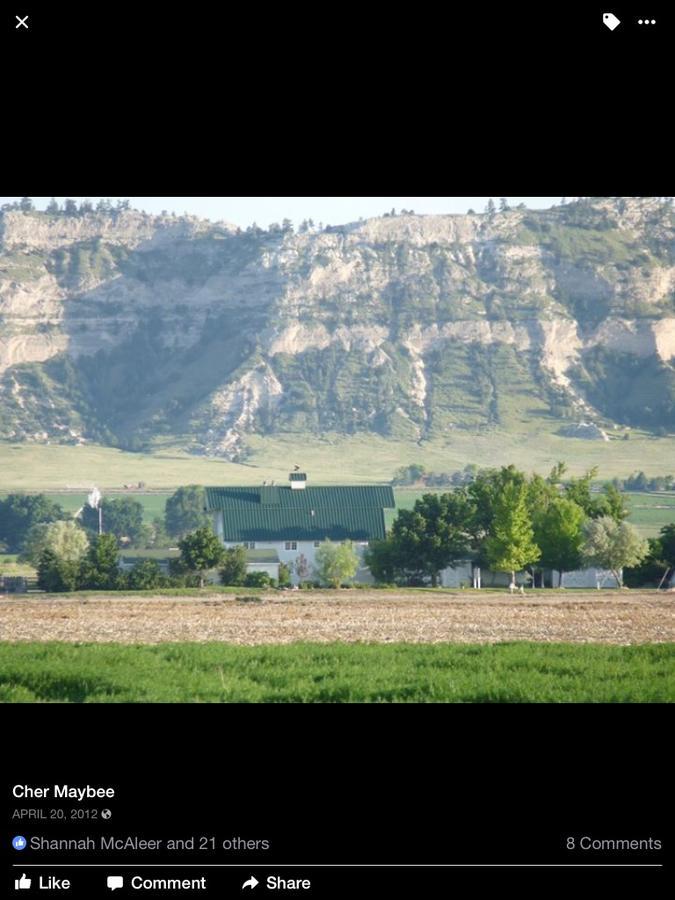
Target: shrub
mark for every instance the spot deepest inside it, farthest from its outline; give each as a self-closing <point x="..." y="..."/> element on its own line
<point x="56" y="575"/>
<point x="146" y="575"/>
<point x="233" y="570"/>
<point x="284" y="575"/>
<point x="257" y="579"/>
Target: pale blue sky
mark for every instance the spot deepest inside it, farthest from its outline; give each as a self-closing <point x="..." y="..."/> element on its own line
<point x="243" y="211"/>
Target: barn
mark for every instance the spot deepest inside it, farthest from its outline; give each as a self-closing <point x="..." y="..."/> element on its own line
<point x="294" y="519"/>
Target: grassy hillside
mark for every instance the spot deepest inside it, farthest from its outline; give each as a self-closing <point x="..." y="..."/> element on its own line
<point x="328" y="459"/>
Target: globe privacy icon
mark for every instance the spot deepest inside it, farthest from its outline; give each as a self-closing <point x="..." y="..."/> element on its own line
<point x="610" y="20"/>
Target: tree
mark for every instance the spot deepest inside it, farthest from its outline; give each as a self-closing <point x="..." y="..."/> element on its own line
<point x="66" y="539"/>
<point x="382" y="559"/>
<point x="558" y="532"/>
<point x="70" y="208"/>
<point x="121" y="516"/>
<point x="336" y="562"/>
<point x="53" y="207"/>
<point x="579" y="490"/>
<point x="490" y="208"/>
<point x="185" y="510"/>
<point x="483" y="494"/>
<point x="434" y="534"/>
<point x="556" y="474"/>
<point x="146" y="575"/>
<point x="20" y="512"/>
<point x="201" y="551"/>
<point x="651" y="571"/>
<point x="86" y="207"/>
<point x="99" y="569"/>
<point x="55" y="574"/>
<point x="233" y="569"/>
<point x="667" y="538"/>
<point x="511" y="545"/>
<point x="302" y="568"/>
<point x="284" y="575"/>
<point x="667" y="543"/>
<point x="504" y="205"/>
<point x="26" y="205"/>
<point x="614" y="503"/>
<point x="613" y="545"/>
<point x="411" y="474"/>
<point x="158" y="536"/>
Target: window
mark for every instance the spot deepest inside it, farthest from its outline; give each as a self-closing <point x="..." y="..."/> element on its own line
<point x="249" y="545"/>
<point x="317" y="543"/>
<point x="291" y="545"/>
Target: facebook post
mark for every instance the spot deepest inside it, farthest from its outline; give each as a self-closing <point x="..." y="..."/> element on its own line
<point x="337" y="527"/>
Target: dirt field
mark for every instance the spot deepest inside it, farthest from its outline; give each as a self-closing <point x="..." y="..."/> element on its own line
<point x="630" y="618"/>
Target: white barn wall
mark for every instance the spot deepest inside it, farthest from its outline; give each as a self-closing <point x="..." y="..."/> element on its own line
<point x="308" y="550"/>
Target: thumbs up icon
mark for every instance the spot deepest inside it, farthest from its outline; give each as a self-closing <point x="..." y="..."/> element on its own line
<point x="22" y="884"/>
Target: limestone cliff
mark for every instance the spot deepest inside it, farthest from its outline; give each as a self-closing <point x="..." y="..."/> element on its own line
<point x="125" y="328"/>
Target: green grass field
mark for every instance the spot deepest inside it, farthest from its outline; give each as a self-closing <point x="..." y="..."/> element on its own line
<point x="330" y="673"/>
<point x="328" y="459"/>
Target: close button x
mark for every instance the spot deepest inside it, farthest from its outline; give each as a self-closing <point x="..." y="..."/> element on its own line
<point x="21" y="21"/>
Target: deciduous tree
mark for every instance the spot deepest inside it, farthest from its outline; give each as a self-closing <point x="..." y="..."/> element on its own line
<point x="613" y="545"/>
<point x="511" y="544"/>
<point x="185" y="510"/>
<point x="336" y="563"/>
<point x="66" y="539"/>
<point x="201" y="551"/>
<point x="558" y="532"/>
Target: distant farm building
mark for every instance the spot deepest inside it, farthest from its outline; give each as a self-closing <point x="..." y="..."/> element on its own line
<point x="256" y="561"/>
<point x="294" y="519"/>
<point x="467" y="574"/>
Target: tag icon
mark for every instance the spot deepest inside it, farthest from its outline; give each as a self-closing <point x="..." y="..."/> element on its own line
<point x="610" y="20"/>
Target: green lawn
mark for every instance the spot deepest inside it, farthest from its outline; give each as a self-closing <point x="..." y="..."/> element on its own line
<point x="216" y="672"/>
<point x="10" y="565"/>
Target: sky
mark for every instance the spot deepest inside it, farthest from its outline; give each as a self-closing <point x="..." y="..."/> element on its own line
<point x="244" y="211"/>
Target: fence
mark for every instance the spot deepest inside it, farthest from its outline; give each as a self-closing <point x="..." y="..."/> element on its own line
<point x="18" y="584"/>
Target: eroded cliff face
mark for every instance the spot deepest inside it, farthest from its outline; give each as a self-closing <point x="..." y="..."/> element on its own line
<point x="120" y="329"/>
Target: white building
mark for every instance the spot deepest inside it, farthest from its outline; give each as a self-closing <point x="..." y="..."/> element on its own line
<point x="464" y="574"/>
<point x="293" y="519"/>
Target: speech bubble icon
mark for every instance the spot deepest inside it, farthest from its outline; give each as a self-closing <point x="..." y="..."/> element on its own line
<point x="115" y="881"/>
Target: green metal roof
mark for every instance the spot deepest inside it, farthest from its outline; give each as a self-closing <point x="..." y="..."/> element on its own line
<point x="315" y="513"/>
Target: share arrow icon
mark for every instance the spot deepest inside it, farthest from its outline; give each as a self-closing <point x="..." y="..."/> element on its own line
<point x="250" y="883"/>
